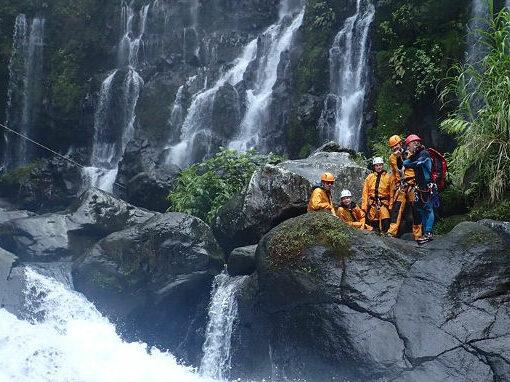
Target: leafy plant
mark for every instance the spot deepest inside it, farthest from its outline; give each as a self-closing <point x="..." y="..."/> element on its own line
<point x="203" y="188"/>
<point x="481" y="123"/>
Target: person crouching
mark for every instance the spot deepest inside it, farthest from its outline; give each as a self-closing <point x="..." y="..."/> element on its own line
<point x="350" y="212"/>
<point x="320" y="200"/>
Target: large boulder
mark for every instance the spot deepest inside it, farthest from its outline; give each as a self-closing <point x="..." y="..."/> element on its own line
<point x="54" y="235"/>
<point x="147" y="178"/>
<point x="278" y="192"/>
<point x="154" y="280"/>
<point x="45" y="185"/>
<point x="342" y="304"/>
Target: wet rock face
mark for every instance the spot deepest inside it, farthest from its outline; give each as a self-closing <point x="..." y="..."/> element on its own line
<point x="376" y="309"/>
<point x="154" y="279"/>
<point x="276" y="193"/>
<point x="45" y="186"/>
<point x="52" y="236"/>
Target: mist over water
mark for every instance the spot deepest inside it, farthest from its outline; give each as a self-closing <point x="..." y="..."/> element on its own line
<point x="63" y="338"/>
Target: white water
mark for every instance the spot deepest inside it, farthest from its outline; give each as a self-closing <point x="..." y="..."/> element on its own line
<point x="266" y="50"/>
<point x="479" y="13"/>
<point x="507" y="4"/>
<point x="109" y="147"/>
<point x="348" y="76"/>
<point x="65" y="339"/>
<point x="222" y="315"/>
<point x="255" y="119"/>
<point x="199" y="113"/>
<point x="23" y="96"/>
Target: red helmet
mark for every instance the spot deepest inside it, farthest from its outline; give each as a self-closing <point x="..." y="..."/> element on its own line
<point x="412" y="138"/>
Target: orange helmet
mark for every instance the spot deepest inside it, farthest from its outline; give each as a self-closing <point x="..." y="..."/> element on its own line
<point x="327" y="177"/>
<point x="394" y="140"/>
<point x="412" y="138"/>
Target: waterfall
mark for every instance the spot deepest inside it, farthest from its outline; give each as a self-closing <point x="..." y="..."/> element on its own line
<point x="199" y="113"/>
<point x="24" y="92"/>
<point x="479" y="13"/>
<point x="278" y="38"/>
<point x="222" y="315"/>
<point x="265" y="53"/>
<point x="348" y="66"/>
<point x="507" y="4"/>
<point x="62" y="338"/>
<point x="115" y="113"/>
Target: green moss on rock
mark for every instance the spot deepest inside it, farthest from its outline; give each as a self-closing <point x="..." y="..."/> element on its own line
<point x="289" y="241"/>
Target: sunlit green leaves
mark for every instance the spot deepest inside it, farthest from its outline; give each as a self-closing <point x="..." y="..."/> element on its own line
<point x="203" y="188"/>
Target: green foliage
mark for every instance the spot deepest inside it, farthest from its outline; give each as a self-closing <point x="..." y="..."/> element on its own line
<point x="416" y="42"/>
<point x="21" y="175"/>
<point x="289" y="241"/>
<point x="203" y="188"/>
<point x="445" y="225"/>
<point x="500" y="211"/>
<point x="481" y="123"/>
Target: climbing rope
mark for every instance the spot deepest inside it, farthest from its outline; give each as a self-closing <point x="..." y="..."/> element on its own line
<point x="51" y="150"/>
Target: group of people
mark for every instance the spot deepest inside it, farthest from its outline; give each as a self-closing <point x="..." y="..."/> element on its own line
<point x="385" y="196"/>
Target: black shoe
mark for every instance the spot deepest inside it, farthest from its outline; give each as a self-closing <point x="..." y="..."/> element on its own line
<point x="423" y="240"/>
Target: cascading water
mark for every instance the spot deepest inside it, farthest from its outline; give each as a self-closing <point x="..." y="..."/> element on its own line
<point x="265" y="53"/>
<point x="348" y="66"/>
<point x="222" y="315"/>
<point x="199" y="113"/>
<point x="24" y="93"/>
<point x="479" y="14"/>
<point x="275" y="40"/>
<point x="63" y="338"/>
<point x="115" y="114"/>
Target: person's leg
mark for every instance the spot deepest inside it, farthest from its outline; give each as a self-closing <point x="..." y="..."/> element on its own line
<point x="428" y="217"/>
<point x="396" y="213"/>
<point x="417" y="227"/>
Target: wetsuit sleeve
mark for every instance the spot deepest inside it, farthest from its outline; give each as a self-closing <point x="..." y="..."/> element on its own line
<point x="317" y="201"/>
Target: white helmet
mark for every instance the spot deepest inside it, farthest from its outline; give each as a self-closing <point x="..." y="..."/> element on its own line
<point x="345" y="193"/>
<point x="377" y="160"/>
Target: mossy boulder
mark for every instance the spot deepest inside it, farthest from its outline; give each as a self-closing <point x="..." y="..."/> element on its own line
<point x="343" y="304"/>
<point x="278" y="192"/>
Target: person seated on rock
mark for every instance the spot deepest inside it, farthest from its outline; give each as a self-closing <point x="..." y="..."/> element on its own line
<point x="320" y="200"/>
<point x="403" y="182"/>
<point x="377" y="196"/>
<point x="350" y="212"/>
<point x="420" y="161"/>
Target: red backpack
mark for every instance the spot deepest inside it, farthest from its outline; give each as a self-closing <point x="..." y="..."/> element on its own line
<point x="439" y="168"/>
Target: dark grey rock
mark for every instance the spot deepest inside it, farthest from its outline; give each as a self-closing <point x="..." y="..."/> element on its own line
<point x="381" y="309"/>
<point x="241" y="261"/>
<point x="276" y="193"/>
<point x="11" y="284"/>
<point x="154" y="279"/>
<point x="51" y="236"/>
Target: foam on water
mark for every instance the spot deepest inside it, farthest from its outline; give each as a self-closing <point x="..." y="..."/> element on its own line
<point x="63" y="338"/>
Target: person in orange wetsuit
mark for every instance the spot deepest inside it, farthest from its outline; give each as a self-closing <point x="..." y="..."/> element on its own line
<point x="320" y="200"/>
<point x="350" y="212"/>
<point x="377" y="196"/>
<point x="403" y="182"/>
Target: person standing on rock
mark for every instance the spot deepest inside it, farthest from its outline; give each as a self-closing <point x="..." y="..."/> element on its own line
<point x="420" y="161"/>
<point x="320" y="200"/>
<point x="403" y="182"/>
<point x="377" y="196"/>
<point x="350" y="212"/>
